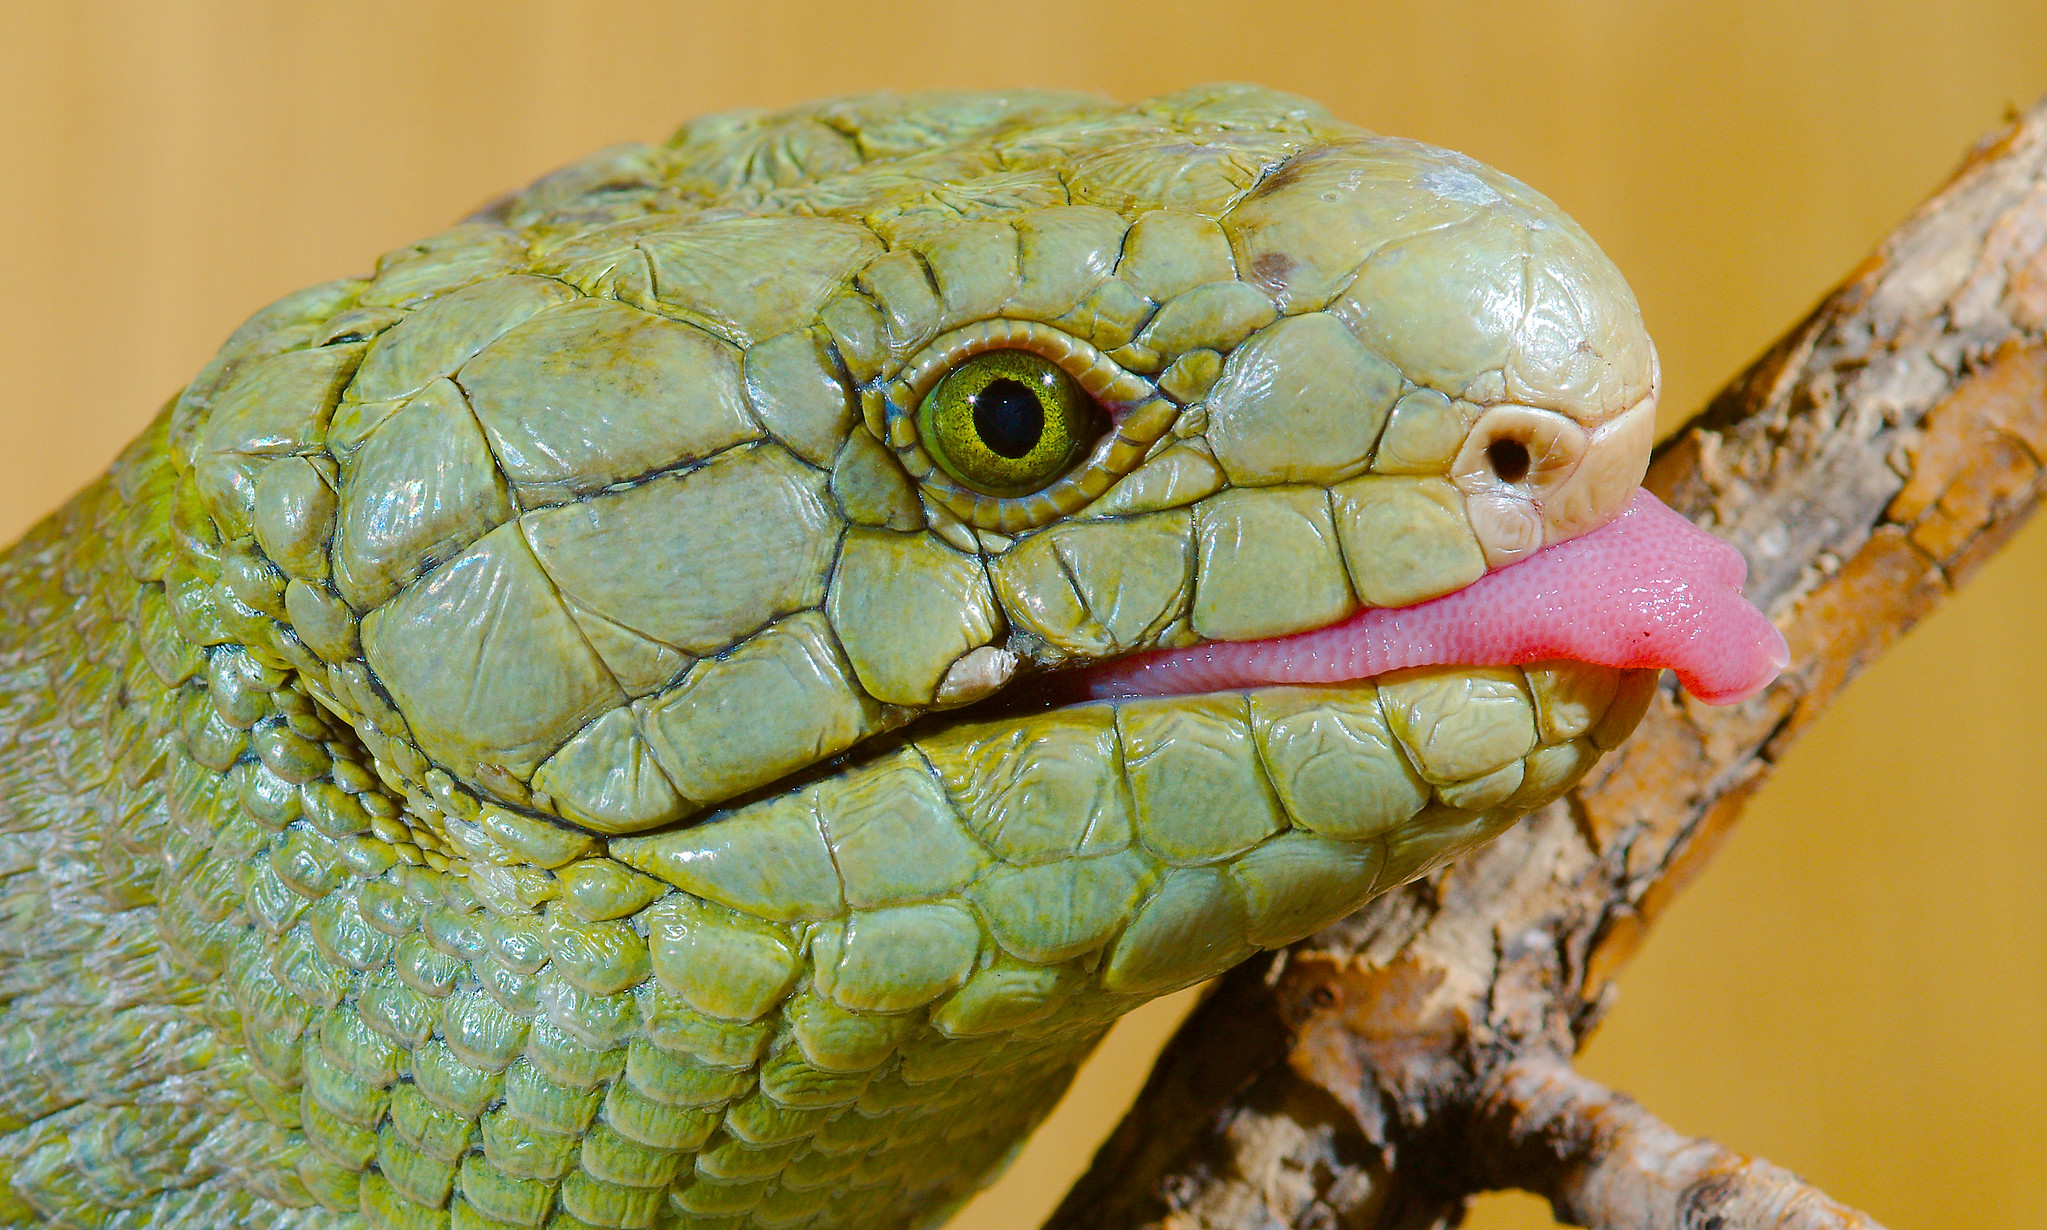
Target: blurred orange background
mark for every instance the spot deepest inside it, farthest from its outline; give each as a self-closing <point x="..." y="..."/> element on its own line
<point x="1857" y="990"/>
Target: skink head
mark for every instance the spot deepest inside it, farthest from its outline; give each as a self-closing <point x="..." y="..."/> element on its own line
<point x="694" y="466"/>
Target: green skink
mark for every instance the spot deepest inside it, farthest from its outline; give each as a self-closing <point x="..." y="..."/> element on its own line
<point x="695" y="696"/>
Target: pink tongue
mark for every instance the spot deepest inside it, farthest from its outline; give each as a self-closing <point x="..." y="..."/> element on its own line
<point x="1649" y="589"/>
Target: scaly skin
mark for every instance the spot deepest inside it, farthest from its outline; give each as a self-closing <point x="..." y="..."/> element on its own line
<point x="486" y="755"/>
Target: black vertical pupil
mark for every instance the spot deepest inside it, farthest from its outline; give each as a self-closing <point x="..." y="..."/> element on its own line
<point x="1008" y="417"/>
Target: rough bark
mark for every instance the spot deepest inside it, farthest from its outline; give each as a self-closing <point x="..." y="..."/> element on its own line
<point x="1604" y="1161"/>
<point x="1376" y="1074"/>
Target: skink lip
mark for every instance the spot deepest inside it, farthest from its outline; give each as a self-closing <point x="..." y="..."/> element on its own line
<point x="1647" y="590"/>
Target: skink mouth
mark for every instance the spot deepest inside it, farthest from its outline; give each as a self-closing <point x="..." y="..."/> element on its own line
<point x="1648" y="589"/>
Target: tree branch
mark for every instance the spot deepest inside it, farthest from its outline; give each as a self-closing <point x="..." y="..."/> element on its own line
<point x="1605" y="1162"/>
<point x="1885" y="447"/>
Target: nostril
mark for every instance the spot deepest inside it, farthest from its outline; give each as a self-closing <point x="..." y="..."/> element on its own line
<point x="1508" y="458"/>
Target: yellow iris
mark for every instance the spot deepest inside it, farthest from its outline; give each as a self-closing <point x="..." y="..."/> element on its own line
<point x="1008" y="422"/>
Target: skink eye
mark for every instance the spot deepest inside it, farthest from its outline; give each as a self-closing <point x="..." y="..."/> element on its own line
<point x="1008" y="422"/>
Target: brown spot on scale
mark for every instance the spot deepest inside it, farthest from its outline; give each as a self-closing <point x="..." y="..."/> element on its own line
<point x="1272" y="268"/>
<point x="1286" y="173"/>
